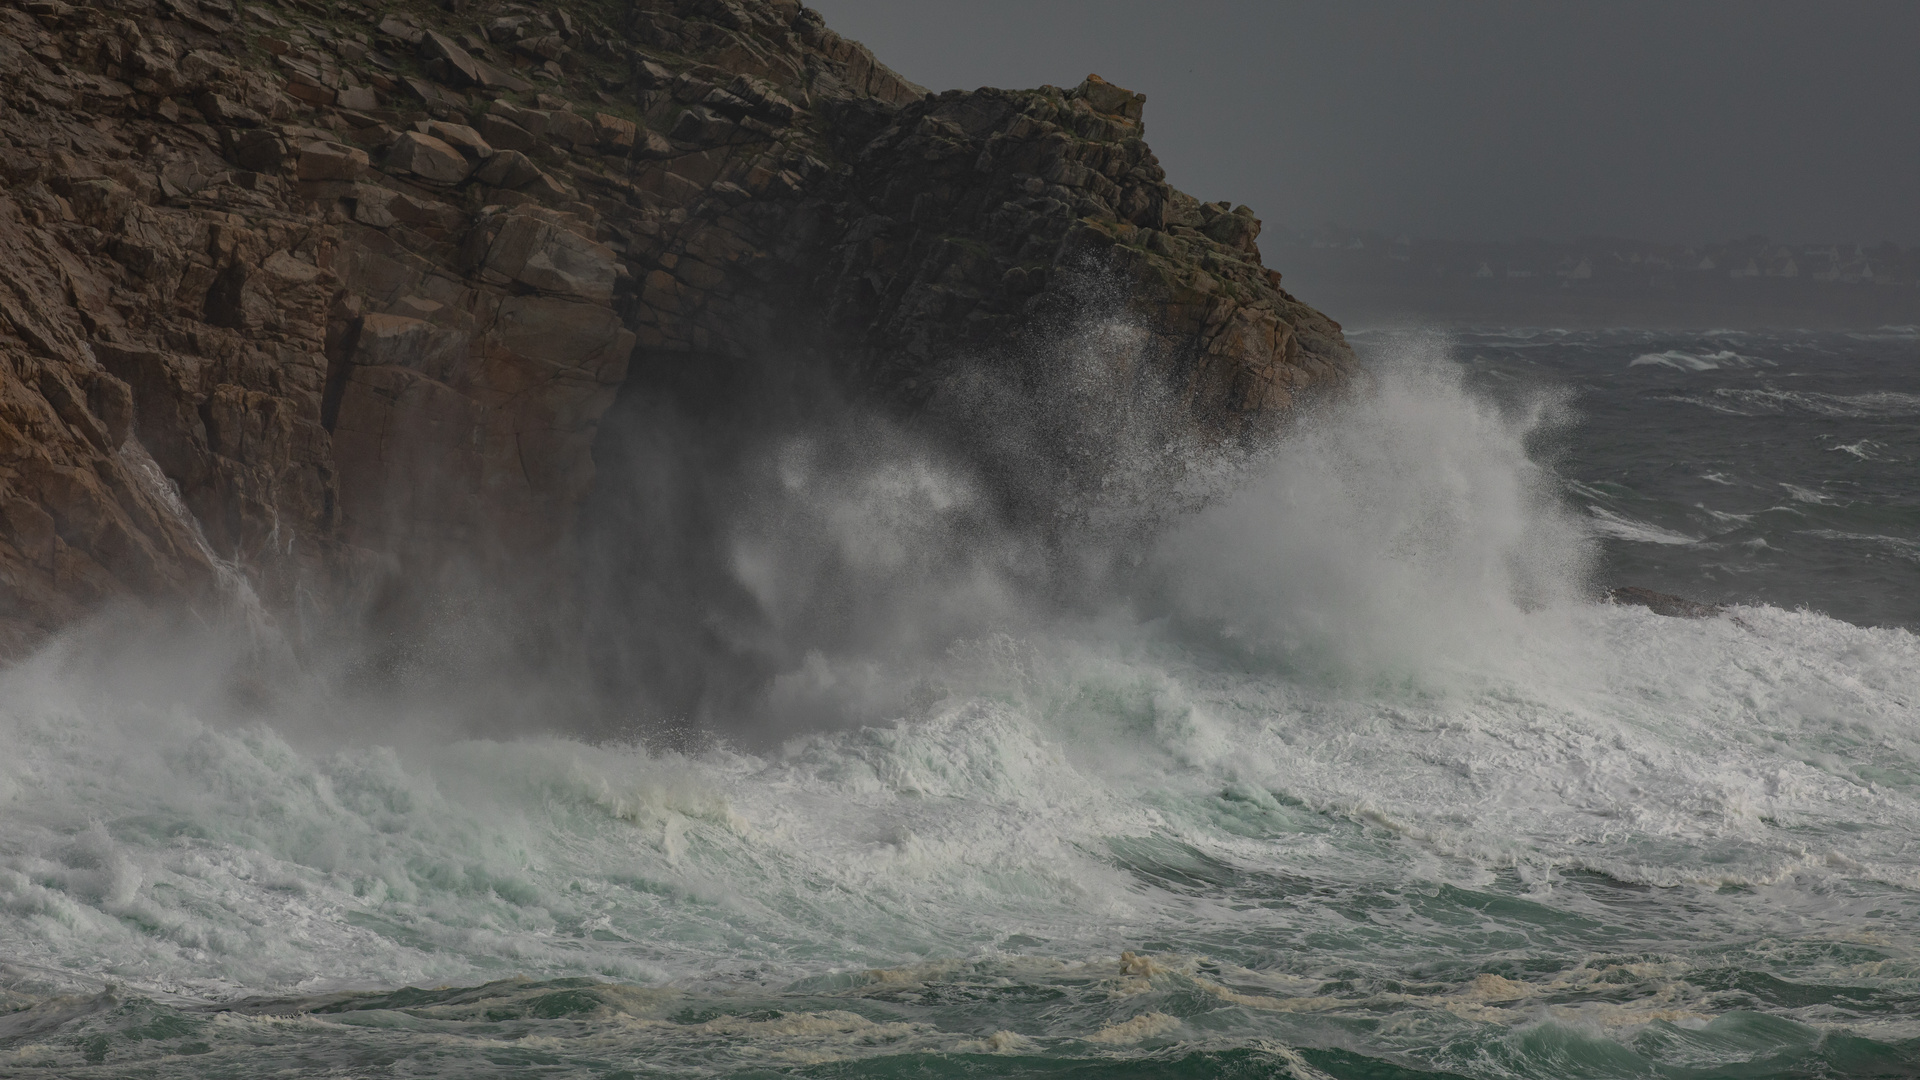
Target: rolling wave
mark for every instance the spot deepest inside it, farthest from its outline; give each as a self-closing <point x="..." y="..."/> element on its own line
<point x="1350" y="780"/>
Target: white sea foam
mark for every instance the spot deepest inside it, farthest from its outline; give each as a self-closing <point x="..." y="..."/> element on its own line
<point x="1367" y="678"/>
<point x="1681" y="360"/>
<point x="1589" y="491"/>
<point x="1770" y="401"/>
<point x="1863" y="449"/>
<point x="1807" y="495"/>
<point x="1382" y="529"/>
<point x="1900" y="545"/>
<point x="165" y="852"/>
<point x="1621" y="527"/>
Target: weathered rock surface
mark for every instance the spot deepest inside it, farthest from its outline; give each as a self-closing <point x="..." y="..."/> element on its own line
<point x="360" y="282"/>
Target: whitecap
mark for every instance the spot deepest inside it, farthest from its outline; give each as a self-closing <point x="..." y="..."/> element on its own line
<point x="1884" y="403"/>
<point x="1588" y="490"/>
<point x="1620" y="527"/>
<point x="1904" y="546"/>
<point x="1879" y="404"/>
<point x="1887" y="333"/>
<point x="1807" y="495"/>
<point x="1680" y="360"/>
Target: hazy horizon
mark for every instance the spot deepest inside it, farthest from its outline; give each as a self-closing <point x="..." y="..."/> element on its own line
<point x="1661" y="123"/>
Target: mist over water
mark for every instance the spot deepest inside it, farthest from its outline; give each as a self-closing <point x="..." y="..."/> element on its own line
<point x="1405" y="528"/>
<point x="766" y="554"/>
<point x="1326" y="764"/>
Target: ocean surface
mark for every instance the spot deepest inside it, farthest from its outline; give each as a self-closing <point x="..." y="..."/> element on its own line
<point x="1770" y="468"/>
<point x="1359" y="782"/>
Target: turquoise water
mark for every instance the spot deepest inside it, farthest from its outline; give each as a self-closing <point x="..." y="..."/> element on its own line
<point x="1358" y="783"/>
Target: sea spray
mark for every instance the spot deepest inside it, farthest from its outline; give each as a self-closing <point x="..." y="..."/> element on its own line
<point x="1463" y="825"/>
<point x="1396" y="528"/>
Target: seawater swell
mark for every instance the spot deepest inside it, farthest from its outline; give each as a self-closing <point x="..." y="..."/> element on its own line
<point x="1352" y="782"/>
<point x="1775" y="467"/>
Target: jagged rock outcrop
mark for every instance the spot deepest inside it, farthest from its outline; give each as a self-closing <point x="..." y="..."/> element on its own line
<point x="971" y="203"/>
<point x="359" y="283"/>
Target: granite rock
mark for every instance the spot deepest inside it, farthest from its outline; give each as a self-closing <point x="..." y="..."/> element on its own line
<point x="426" y="158"/>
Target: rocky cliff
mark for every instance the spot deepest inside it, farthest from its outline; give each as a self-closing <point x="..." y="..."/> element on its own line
<point x="332" y="293"/>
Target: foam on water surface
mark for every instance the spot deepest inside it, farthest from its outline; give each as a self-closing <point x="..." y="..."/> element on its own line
<point x="1679" y="821"/>
<point x="1355" y="782"/>
<point x="1681" y="360"/>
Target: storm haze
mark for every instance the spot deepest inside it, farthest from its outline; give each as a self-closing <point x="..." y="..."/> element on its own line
<point x="1674" y="122"/>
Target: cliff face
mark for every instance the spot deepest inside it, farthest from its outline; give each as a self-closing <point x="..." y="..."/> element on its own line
<point x="360" y="284"/>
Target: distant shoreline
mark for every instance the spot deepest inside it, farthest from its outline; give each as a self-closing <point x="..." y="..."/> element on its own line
<point x="1376" y="293"/>
<point x="1389" y="304"/>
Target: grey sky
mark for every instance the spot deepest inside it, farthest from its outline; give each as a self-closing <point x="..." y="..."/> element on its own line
<point x="1678" y="120"/>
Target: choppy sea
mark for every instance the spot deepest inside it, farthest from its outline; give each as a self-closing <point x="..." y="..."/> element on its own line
<point x="1361" y="782"/>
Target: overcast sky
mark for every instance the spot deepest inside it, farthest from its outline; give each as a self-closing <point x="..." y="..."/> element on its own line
<point x="1683" y="120"/>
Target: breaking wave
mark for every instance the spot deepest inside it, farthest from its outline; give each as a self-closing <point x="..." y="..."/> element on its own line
<point x="1680" y="360"/>
<point x="1348" y="745"/>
